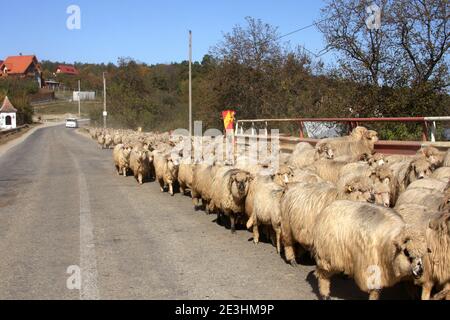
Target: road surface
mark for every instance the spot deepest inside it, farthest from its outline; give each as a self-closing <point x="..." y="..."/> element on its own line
<point x="63" y="208"/>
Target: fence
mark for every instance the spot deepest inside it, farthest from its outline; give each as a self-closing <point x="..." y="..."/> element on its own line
<point x="428" y="123"/>
<point x="387" y="147"/>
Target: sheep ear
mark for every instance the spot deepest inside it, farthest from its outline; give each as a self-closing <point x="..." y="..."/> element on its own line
<point x="349" y="188"/>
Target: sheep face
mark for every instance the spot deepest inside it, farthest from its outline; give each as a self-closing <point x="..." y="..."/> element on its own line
<point x="239" y="184"/>
<point x="408" y="257"/>
<point x="371" y="136"/>
<point x="325" y="151"/>
<point x="360" y="191"/>
<point x="420" y="169"/>
<point x="382" y="194"/>
<point x="284" y="176"/>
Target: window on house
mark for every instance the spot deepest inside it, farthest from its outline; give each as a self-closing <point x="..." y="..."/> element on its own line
<point x="8" y="120"/>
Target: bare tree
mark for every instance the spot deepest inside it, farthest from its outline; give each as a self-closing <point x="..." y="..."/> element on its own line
<point x="422" y="30"/>
<point x="364" y="50"/>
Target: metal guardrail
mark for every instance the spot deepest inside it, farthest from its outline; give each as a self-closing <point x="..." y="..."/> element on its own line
<point x="428" y="134"/>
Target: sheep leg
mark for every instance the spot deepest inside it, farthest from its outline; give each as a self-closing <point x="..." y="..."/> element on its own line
<point x="118" y="170"/>
<point x="140" y="179"/>
<point x="124" y="171"/>
<point x="323" y="277"/>
<point x="255" y="233"/>
<point x="426" y="290"/>
<point x="374" y="294"/>
<point x="171" y="189"/>
<point x="233" y="223"/>
<point x="161" y="185"/>
<point x="182" y="188"/>
<point x="278" y="238"/>
<point x="290" y="254"/>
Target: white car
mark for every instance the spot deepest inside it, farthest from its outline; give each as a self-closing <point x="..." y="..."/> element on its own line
<point x="71" y="123"/>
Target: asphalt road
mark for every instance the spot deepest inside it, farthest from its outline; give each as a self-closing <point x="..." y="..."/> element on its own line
<point x="63" y="208"/>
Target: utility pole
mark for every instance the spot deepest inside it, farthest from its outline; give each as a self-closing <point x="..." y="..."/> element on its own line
<point x="190" y="83"/>
<point x="104" y="101"/>
<point x="79" y="98"/>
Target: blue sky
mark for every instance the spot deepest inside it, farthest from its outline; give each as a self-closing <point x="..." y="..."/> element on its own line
<point x="149" y="31"/>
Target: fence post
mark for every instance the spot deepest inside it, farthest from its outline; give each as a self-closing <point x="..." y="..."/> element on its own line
<point x="425" y="131"/>
<point x="302" y="133"/>
<point x="433" y="132"/>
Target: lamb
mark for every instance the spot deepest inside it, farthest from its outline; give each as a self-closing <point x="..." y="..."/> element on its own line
<point x="366" y="242"/>
<point x="442" y="173"/>
<point x="266" y="209"/>
<point x="140" y="164"/>
<point x="302" y="202"/>
<point x="231" y="189"/>
<point x="121" y="156"/>
<point x="166" y="170"/>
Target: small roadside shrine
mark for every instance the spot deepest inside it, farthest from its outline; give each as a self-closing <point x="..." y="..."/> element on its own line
<point x="8" y="115"/>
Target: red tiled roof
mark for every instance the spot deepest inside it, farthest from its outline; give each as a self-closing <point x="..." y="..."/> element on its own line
<point x="7" y="106"/>
<point x="19" y="64"/>
<point x="67" y="70"/>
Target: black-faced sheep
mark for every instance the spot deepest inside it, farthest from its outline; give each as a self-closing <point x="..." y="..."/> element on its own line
<point x="230" y="189"/>
<point x="367" y="242"/>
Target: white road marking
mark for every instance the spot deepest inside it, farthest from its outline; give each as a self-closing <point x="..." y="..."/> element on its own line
<point x="88" y="260"/>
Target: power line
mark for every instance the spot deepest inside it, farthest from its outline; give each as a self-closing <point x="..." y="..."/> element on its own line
<point x="318" y="54"/>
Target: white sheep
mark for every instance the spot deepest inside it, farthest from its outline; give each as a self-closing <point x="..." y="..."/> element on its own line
<point x="367" y="242"/>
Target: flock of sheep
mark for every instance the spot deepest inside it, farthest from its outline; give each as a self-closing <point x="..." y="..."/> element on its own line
<point x="378" y="219"/>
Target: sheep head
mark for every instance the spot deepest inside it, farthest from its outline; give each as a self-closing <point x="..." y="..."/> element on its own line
<point x="384" y="174"/>
<point x="419" y="169"/>
<point x="284" y="175"/>
<point x="382" y="194"/>
<point x="432" y="154"/>
<point x="409" y="247"/>
<point x="324" y="151"/>
<point x="359" y="132"/>
<point x="239" y="183"/>
<point x="359" y="189"/>
<point x="371" y="136"/>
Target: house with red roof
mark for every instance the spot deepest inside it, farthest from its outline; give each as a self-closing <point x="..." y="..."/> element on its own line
<point x="23" y="67"/>
<point x="66" y="69"/>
